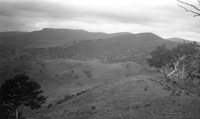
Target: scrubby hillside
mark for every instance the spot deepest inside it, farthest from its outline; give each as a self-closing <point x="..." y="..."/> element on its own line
<point x="78" y="44"/>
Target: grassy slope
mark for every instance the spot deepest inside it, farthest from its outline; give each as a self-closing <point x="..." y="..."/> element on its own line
<point x="60" y="77"/>
<point x="134" y="97"/>
<point x="116" y="91"/>
<point x="70" y="76"/>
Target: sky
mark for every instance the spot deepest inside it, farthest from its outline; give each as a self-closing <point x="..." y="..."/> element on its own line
<point x="162" y="17"/>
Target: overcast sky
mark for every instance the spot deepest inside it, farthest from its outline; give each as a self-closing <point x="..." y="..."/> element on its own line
<point x="162" y="17"/>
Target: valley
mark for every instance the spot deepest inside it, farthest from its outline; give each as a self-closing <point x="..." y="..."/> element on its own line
<point x="92" y="75"/>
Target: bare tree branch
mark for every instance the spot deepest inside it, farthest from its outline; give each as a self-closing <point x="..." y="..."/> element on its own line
<point x="196" y="10"/>
<point x="176" y="64"/>
<point x="187" y="10"/>
<point x="6" y="105"/>
<point x="193" y="6"/>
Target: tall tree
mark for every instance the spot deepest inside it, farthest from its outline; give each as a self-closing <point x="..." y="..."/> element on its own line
<point x="19" y="92"/>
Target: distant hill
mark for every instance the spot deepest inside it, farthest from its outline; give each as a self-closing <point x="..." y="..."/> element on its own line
<point x="180" y="40"/>
<point x="49" y="37"/>
<point x="177" y="39"/>
<point x="12" y="33"/>
<point x="143" y="41"/>
<point x="79" y="44"/>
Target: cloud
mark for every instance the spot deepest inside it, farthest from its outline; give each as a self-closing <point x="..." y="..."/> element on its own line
<point x="48" y="10"/>
<point x="164" y="18"/>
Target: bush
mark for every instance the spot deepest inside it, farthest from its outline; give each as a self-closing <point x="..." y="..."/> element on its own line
<point x="88" y="73"/>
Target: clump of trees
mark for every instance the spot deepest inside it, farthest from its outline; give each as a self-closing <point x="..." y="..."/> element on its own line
<point x="17" y="93"/>
<point x="181" y="63"/>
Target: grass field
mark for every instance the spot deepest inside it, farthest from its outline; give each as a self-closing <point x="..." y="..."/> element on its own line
<point x="112" y="91"/>
<point x="134" y="97"/>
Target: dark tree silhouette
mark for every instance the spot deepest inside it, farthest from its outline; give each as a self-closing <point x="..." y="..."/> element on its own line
<point x="17" y="93"/>
<point x="190" y="7"/>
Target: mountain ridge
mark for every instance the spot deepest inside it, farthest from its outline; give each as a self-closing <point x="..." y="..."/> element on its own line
<point x="49" y="37"/>
<point x="81" y="44"/>
<point x="175" y="39"/>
